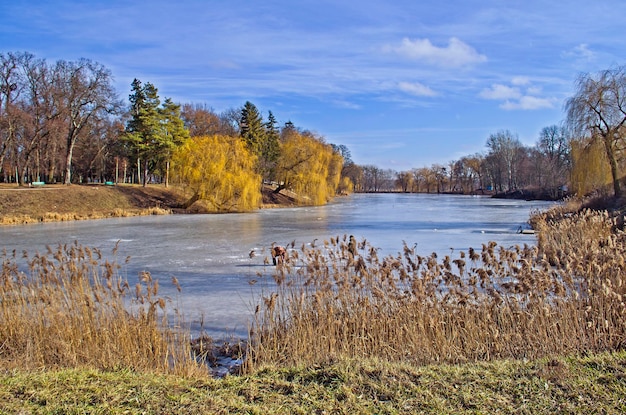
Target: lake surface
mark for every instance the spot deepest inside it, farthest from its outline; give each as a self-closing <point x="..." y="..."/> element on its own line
<point x="209" y="254"/>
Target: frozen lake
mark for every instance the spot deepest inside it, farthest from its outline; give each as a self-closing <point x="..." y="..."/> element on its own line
<point x="209" y="254"/>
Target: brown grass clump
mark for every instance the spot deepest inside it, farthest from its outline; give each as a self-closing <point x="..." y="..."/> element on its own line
<point x="564" y="296"/>
<point x="72" y="309"/>
<point x="64" y="217"/>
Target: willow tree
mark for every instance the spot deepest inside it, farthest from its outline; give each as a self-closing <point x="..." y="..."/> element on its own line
<point x="597" y="112"/>
<point x="309" y="167"/>
<point x="219" y="170"/>
<point x="589" y="166"/>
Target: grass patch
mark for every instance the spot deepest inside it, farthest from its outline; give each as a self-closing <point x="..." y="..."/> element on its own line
<point x="55" y="203"/>
<point x="593" y="384"/>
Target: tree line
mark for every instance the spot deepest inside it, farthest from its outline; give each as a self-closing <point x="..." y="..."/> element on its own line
<point x="63" y="122"/>
<point x="506" y="166"/>
<point x="583" y="154"/>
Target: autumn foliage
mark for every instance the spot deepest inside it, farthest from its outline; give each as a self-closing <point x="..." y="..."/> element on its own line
<point x="309" y="167"/>
<point x="220" y="170"/>
<point x="589" y="166"/>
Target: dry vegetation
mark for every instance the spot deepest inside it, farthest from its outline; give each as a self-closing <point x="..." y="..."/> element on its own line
<point x="72" y="309"/>
<point x="53" y="203"/>
<point x="341" y="325"/>
<point x="563" y="296"/>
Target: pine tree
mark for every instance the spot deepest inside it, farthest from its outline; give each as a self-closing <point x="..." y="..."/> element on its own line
<point x="174" y="134"/>
<point x="251" y="128"/>
<point x="143" y="128"/>
<point x="270" y="148"/>
<point x="154" y="131"/>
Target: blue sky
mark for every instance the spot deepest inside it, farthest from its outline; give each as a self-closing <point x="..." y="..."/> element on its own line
<point x="402" y="83"/>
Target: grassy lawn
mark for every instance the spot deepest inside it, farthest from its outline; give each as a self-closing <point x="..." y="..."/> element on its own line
<point x="578" y="385"/>
<point x="51" y="203"/>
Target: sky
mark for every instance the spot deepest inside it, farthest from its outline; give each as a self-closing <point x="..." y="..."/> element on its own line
<point x="401" y="83"/>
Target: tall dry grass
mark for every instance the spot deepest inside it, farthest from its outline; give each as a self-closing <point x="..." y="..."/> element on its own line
<point x="565" y="295"/>
<point x="64" y="217"/>
<point x="71" y="308"/>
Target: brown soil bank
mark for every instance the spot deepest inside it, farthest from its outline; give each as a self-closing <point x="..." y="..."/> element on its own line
<point x="50" y="203"/>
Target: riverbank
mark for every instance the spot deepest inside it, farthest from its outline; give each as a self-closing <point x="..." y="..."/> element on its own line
<point x="53" y="203"/>
<point x="589" y="384"/>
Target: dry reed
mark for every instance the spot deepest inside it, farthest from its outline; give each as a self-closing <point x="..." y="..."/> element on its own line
<point x="64" y="217"/>
<point x="565" y="295"/>
<point x="71" y="308"/>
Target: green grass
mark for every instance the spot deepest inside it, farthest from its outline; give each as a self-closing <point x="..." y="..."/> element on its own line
<point x="574" y="385"/>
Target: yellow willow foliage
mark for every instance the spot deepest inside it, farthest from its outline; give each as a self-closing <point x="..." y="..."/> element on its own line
<point x="334" y="171"/>
<point x="220" y="170"/>
<point x="310" y="168"/>
<point x="590" y="170"/>
<point x="345" y="186"/>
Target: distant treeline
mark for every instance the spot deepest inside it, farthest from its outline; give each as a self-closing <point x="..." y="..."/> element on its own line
<point x="63" y="122"/>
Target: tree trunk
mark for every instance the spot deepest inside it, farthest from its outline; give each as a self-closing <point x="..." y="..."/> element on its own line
<point x="193" y="199"/>
<point x="608" y="145"/>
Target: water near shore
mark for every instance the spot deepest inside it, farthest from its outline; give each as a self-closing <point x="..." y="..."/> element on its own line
<point x="217" y="257"/>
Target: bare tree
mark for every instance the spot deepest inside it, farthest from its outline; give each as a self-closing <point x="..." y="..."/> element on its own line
<point x="475" y="167"/>
<point x="11" y="85"/>
<point x="200" y="120"/>
<point x="355" y="173"/>
<point x="504" y="148"/>
<point x="553" y="158"/>
<point x="404" y="180"/>
<point x="84" y="92"/>
<point x="598" y="111"/>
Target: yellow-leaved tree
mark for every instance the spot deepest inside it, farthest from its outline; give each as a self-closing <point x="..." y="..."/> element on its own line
<point x="590" y="167"/>
<point x="220" y="170"/>
<point x="309" y="167"/>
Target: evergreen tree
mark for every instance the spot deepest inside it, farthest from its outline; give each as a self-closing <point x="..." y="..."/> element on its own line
<point x="270" y="148"/>
<point x="174" y="134"/>
<point x="143" y="128"/>
<point x="154" y="131"/>
<point x="251" y="128"/>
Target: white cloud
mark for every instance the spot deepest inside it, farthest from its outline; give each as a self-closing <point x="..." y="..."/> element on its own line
<point x="456" y="53"/>
<point x="581" y="52"/>
<point x="528" y="102"/>
<point x="347" y="105"/>
<point x="417" y="89"/>
<point x="514" y="98"/>
<point x="520" y="80"/>
<point x="500" y="92"/>
<point x="533" y="90"/>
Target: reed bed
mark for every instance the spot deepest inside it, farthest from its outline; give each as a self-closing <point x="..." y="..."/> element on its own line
<point x="64" y="217"/>
<point x="71" y="308"/>
<point x="341" y="300"/>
